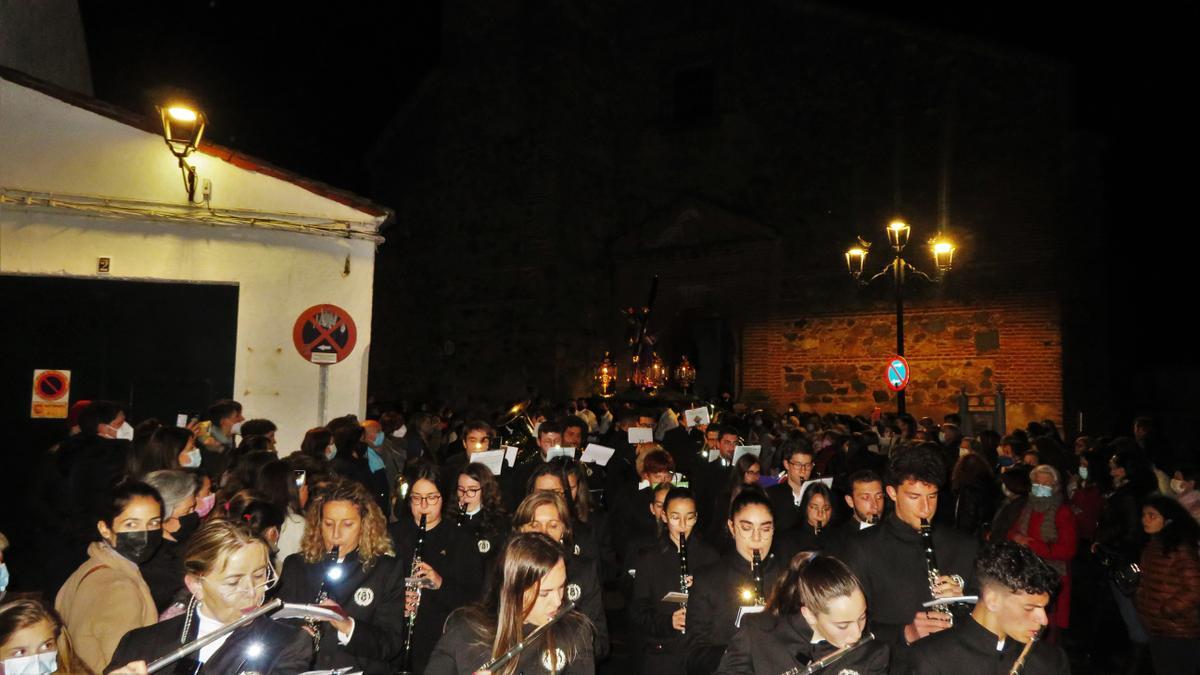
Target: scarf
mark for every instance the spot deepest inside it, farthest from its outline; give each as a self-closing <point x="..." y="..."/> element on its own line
<point x="1048" y="507"/>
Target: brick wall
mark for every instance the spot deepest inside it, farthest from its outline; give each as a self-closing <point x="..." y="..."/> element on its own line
<point x="836" y="362"/>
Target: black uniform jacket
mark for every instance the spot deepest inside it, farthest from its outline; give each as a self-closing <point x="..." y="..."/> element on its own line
<point x="373" y="597"/>
<point x="454" y="554"/>
<point x="489" y="531"/>
<point x="461" y="652"/>
<point x="783" y="507"/>
<point x="584" y="588"/>
<point x="890" y="562"/>
<point x="657" y="573"/>
<point x="970" y="648"/>
<point x="768" y="645"/>
<point x="285" y="648"/>
<point x="713" y="606"/>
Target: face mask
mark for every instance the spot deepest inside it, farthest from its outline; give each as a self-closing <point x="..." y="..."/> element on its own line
<point x="331" y="452"/>
<point x="1041" y="490"/>
<point x="963" y="452"/>
<point x="125" y="432"/>
<point x="378" y="439"/>
<point x="187" y="525"/>
<point x="1083" y="473"/>
<point x="1005" y="461"/>
<point x="4" y="579"/>
<point x="204" y="505"/>
<point x="942" y="437"/>
<point x="873" y="448"/>
<point x="138" y="546"/>
<point x="236" y="428"/>
<point x="399" y="433"/>
<point x="1177" y="487"/>
<point x="193" y="459"/>
<point x="34" y="664"/>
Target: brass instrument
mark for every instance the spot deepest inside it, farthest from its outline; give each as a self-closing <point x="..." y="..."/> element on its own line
<point x="529" y="639"/>
<point x="683" y="570"/>
<point x="406" y="666"/>
<point x="333" y="572"/>
<point x="821" y="664"/>
<point x="931" y="566"/>
<point x="1019" y="665"/>
<point x="514" y="426"/>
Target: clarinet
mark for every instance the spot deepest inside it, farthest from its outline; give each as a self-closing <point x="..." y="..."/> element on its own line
<point x="931" y="566"/>
<point x="1019" y="665"/>
<point x="683" y="570"/>
<point x="406" y="667"/>
<point x="331" y="562"/>
<point x="760" y="597"/>
<point x="831" y="659"/>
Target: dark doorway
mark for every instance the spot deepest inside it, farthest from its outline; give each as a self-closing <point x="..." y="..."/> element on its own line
<point x="707" y="341"/>
<point x="160" y="348"/>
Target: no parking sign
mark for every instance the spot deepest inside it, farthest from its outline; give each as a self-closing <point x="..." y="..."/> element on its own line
<point x="897" y="373"/>
<point x="51" y="394"/>
<point x="324" y="334"/>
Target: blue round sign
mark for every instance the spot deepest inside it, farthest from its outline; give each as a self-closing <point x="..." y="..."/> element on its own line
<point x="897" y="374"/>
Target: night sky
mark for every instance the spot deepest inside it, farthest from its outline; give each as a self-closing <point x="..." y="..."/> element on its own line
<point x="310" y="87"/>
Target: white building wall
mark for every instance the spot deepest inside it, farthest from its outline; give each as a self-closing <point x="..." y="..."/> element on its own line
<point x="52" y="147"/>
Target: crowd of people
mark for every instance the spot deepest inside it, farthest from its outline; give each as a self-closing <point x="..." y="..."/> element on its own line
<point x="670" y="537"/>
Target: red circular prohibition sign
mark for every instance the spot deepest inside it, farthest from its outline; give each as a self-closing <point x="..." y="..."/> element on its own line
<point x="51" y="385"/>
<point x="324" y="334"/>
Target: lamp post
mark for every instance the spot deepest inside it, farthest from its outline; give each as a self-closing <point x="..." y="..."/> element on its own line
<point x="183" y="127"/>
<point x="898" y="232"/>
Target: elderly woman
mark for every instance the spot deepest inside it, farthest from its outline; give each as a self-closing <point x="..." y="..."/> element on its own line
<point x="1046" y="525"/>
<point x="164" y="571"/>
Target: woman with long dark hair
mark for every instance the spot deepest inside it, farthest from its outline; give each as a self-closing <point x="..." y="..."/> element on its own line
<point x="527" y="593"/>
<point x="449" y="560"/>
<point x="479" y="510"/>
<point x="1168" y="597"/>
<point x="816" y="608"/>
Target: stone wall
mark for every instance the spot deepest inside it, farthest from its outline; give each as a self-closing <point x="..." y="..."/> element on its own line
<point x="838" y="362"/>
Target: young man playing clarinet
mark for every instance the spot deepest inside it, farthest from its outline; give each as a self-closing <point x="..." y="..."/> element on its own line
<point x="1000" y="636"/>
<point x="903" y="562"/>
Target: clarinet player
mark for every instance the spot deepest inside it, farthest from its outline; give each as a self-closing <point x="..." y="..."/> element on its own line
<point x="365" y="580"/>
<point x="894" y="564"/>
<point x="448" y="560"/>
<point x="1001" y="634"/>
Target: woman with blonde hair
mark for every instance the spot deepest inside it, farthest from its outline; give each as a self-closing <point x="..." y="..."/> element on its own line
<point x="227" y="570"/>
<point x="527" y="595"/>
<point x="346" y="560"/>
<point x="547" y="513"/>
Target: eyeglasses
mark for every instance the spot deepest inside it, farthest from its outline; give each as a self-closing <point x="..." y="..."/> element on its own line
<point x="749" y="530"/>
<point x="799" y="465"/>
<point x="468" y="492"/>
<point x="427" y="499"/>
<point x="820" y="509"/>
<point x="264" y="580"/>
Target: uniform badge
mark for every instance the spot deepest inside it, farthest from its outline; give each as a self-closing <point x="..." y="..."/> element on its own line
<point x="364" y="597"/>
<point x="573" y="592"/>
<point x="484" y="545"/>
<point x="560" y="660"/>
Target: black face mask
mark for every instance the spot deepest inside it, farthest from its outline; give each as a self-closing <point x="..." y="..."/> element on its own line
<point x="187" y="525"/>
<point x="138" y="546"/>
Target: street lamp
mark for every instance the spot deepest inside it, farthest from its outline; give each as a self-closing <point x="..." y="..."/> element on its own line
<point x="183" y="126"/>
<point x="898" y="233"/>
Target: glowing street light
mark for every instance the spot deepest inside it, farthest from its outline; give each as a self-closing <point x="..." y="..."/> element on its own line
<point x="183" y="127"/>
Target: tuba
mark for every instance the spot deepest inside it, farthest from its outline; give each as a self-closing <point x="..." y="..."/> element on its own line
<point x="514" y="426"/>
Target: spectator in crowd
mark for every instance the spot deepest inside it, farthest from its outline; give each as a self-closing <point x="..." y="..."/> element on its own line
<point x="34" y="640"/>
<point x="1047" y="526"/>
<point x="1168" y="597"/>
<point x="163" y="572"/>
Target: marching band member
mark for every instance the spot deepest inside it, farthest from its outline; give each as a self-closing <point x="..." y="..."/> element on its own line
<point x="444" y="554"/>
<point x="363" y="581"/>
<point x="480" y="510"/>
<point x="659" y="570"/>
<point x="817" y="608"/>
<point x="227" y="570"/>
<point x="735" y="584"/>
<point x="546" y="512"/>
<point x="527" y="595"/>
<point x="1001" y="633"/>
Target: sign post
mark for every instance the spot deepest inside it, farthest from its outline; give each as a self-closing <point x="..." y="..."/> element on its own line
<point x="324" y="335"/>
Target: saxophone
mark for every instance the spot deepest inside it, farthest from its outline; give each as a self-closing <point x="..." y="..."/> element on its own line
<point x="406" y="667"/>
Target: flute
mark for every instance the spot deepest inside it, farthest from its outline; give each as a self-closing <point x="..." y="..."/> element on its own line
<point x="529" y="639"/>
<point x="1019" y="665"/>
<point x="201" y="642"/>
<point x="832" y="658"/>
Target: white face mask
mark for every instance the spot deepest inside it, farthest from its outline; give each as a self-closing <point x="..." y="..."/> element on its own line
<point x="330" y="452"/>
<point x="193" y="459"/>
<point x="34" y="664"/>
<point x="236" y="428"/>
<point x="963" y="452"/>
<point x="1178" y="487"/>
<point x="873" y="448"/>
<point x="125" y="432"/>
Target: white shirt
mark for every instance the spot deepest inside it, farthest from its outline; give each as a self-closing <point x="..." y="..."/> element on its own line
<point x="207" y="626"/>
